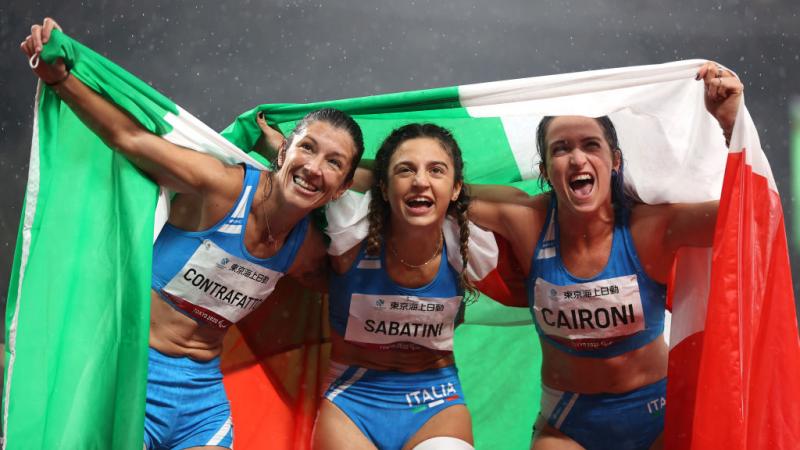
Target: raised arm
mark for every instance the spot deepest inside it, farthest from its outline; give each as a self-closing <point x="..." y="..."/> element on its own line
<point x="271" y="140"/>
<point x="661" y="230"/>
<point x="723" y="95"/>
<point x="178" y="168"/>
<point x="692" y="225"/>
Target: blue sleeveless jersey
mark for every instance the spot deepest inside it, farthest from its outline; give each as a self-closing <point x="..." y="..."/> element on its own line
<point x="617" y="311"/>
<point x="209" y="275"/>
<point x="368" y="309"/>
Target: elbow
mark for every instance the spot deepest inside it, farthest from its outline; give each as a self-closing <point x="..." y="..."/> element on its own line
<point x="129" y="142"/>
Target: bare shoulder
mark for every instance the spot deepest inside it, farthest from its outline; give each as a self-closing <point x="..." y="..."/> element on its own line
<point x="648" y="227"/>
<point x="659" y="231"/>
<point x="533" y="212"/>
<point x="650" y="222"/>
<point x="540" y="202"/>
<point x="200" y="210"/>
<point x="230" y="180"/>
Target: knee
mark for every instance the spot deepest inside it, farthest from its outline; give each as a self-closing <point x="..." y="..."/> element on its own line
<point x="443" y="443"/>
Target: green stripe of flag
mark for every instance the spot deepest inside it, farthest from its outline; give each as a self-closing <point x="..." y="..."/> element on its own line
<point x="78" y="329"/>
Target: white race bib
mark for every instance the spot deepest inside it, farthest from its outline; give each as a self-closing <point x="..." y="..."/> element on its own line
<point x="604" y="311"/>
<point x="220" y="288"/>
<point x="383" y="320"/>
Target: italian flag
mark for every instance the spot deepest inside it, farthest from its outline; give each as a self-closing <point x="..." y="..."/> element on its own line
<point x="78" y="305"/>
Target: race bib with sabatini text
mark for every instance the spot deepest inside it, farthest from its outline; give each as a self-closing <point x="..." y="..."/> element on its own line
<point x="395" y="321"/>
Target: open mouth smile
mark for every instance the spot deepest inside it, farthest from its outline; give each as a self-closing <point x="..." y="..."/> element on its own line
<point x="582" y="184"/>
<point x="305" y="185"/>
<point x="419" y="204"/>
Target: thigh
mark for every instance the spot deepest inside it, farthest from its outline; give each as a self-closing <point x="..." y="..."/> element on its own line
<point x="334" y="430"/>
<point x="545" y="437"/>
<point x="454" y="421"/>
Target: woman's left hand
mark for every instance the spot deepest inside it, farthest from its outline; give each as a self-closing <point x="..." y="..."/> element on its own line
<point x="723" y="94"/>
<point x="273" y="137"/>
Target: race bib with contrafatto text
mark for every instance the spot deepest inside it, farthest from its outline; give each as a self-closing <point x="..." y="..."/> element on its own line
<point x="219" y="288"/>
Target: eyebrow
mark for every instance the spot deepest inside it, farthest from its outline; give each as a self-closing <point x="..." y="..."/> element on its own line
<point x="310" y="138"/>
<point x="431" y="163"/>
<point x="583" y="139"/>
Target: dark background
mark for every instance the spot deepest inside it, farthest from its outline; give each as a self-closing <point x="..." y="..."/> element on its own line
<point x="219" y="58"/>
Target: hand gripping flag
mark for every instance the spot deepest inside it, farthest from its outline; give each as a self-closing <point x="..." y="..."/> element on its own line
<point x="78" y="301"/>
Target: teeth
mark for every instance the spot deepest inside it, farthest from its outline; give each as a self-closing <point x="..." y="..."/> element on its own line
<point x="304" y="184"/>
<point x="417" y="200"/>
<point x="581" y="177"/>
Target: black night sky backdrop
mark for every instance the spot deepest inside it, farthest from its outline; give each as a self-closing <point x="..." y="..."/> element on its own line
<point x="217" y="59"/>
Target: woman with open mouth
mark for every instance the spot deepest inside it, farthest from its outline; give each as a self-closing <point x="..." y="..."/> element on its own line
<point x="596" y="266"/>
<point x="232" y="233"/>
<point x="395" y="300"/>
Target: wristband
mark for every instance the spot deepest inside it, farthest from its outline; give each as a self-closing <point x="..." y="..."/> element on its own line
<point x="56" y="83"/>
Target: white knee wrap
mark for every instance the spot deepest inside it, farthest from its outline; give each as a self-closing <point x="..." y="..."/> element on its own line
<point x="443" y="443"/>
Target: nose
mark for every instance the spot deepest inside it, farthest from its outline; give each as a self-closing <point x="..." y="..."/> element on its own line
<point x="314" y="165"/>
<point x="421" y="179"/>
<point x="577" y="157"/>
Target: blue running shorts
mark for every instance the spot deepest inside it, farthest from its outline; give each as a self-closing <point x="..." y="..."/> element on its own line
<point x="186" y="404"/>
<point x="390" y="407"/>
<point x="628" y="421"/>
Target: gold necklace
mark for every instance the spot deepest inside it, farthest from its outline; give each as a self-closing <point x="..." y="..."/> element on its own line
<point x="418" y="266"/>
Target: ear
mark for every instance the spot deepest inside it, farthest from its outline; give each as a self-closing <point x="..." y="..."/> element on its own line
<point x="342" y="189"/>
<point x="383" y="191"/>
<point x="282" y="153"/>
<point x="456" y="191"/>
<point x="617" y="159"/>
<point x="543" y="171"/>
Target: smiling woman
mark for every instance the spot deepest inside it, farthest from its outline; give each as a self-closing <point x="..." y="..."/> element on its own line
<point x="231" y="235"/>
<point x="596" y="266"/>
<point x="392" y="382"/>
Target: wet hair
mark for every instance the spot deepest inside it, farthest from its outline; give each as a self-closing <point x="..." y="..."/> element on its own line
<point x="336" y="119"/>
<point x="619" y="199"/>
<point x="379" y="209"/>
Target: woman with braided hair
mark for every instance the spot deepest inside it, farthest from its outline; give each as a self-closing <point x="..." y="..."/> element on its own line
<point x="395" y="300"/>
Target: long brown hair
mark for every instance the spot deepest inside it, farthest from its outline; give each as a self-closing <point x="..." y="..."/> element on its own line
<point x="379" y="209"/>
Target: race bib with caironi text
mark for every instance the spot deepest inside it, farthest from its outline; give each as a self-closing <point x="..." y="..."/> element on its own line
<point x="589" y="315"/>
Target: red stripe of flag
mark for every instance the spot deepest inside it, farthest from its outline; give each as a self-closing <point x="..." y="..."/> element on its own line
<point x="736" y="384"/>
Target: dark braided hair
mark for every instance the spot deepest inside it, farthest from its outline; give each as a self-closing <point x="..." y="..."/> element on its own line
<point x="379" y="209"/>
<point x="619" y="198"/>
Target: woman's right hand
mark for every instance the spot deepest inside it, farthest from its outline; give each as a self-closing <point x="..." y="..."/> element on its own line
<point x="32" y="45"/>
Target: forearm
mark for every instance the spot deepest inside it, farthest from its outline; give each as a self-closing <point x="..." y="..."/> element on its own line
<point x="263" y="148"/>
<point x="113" y="126"/>
<point x="363" y="179"/>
